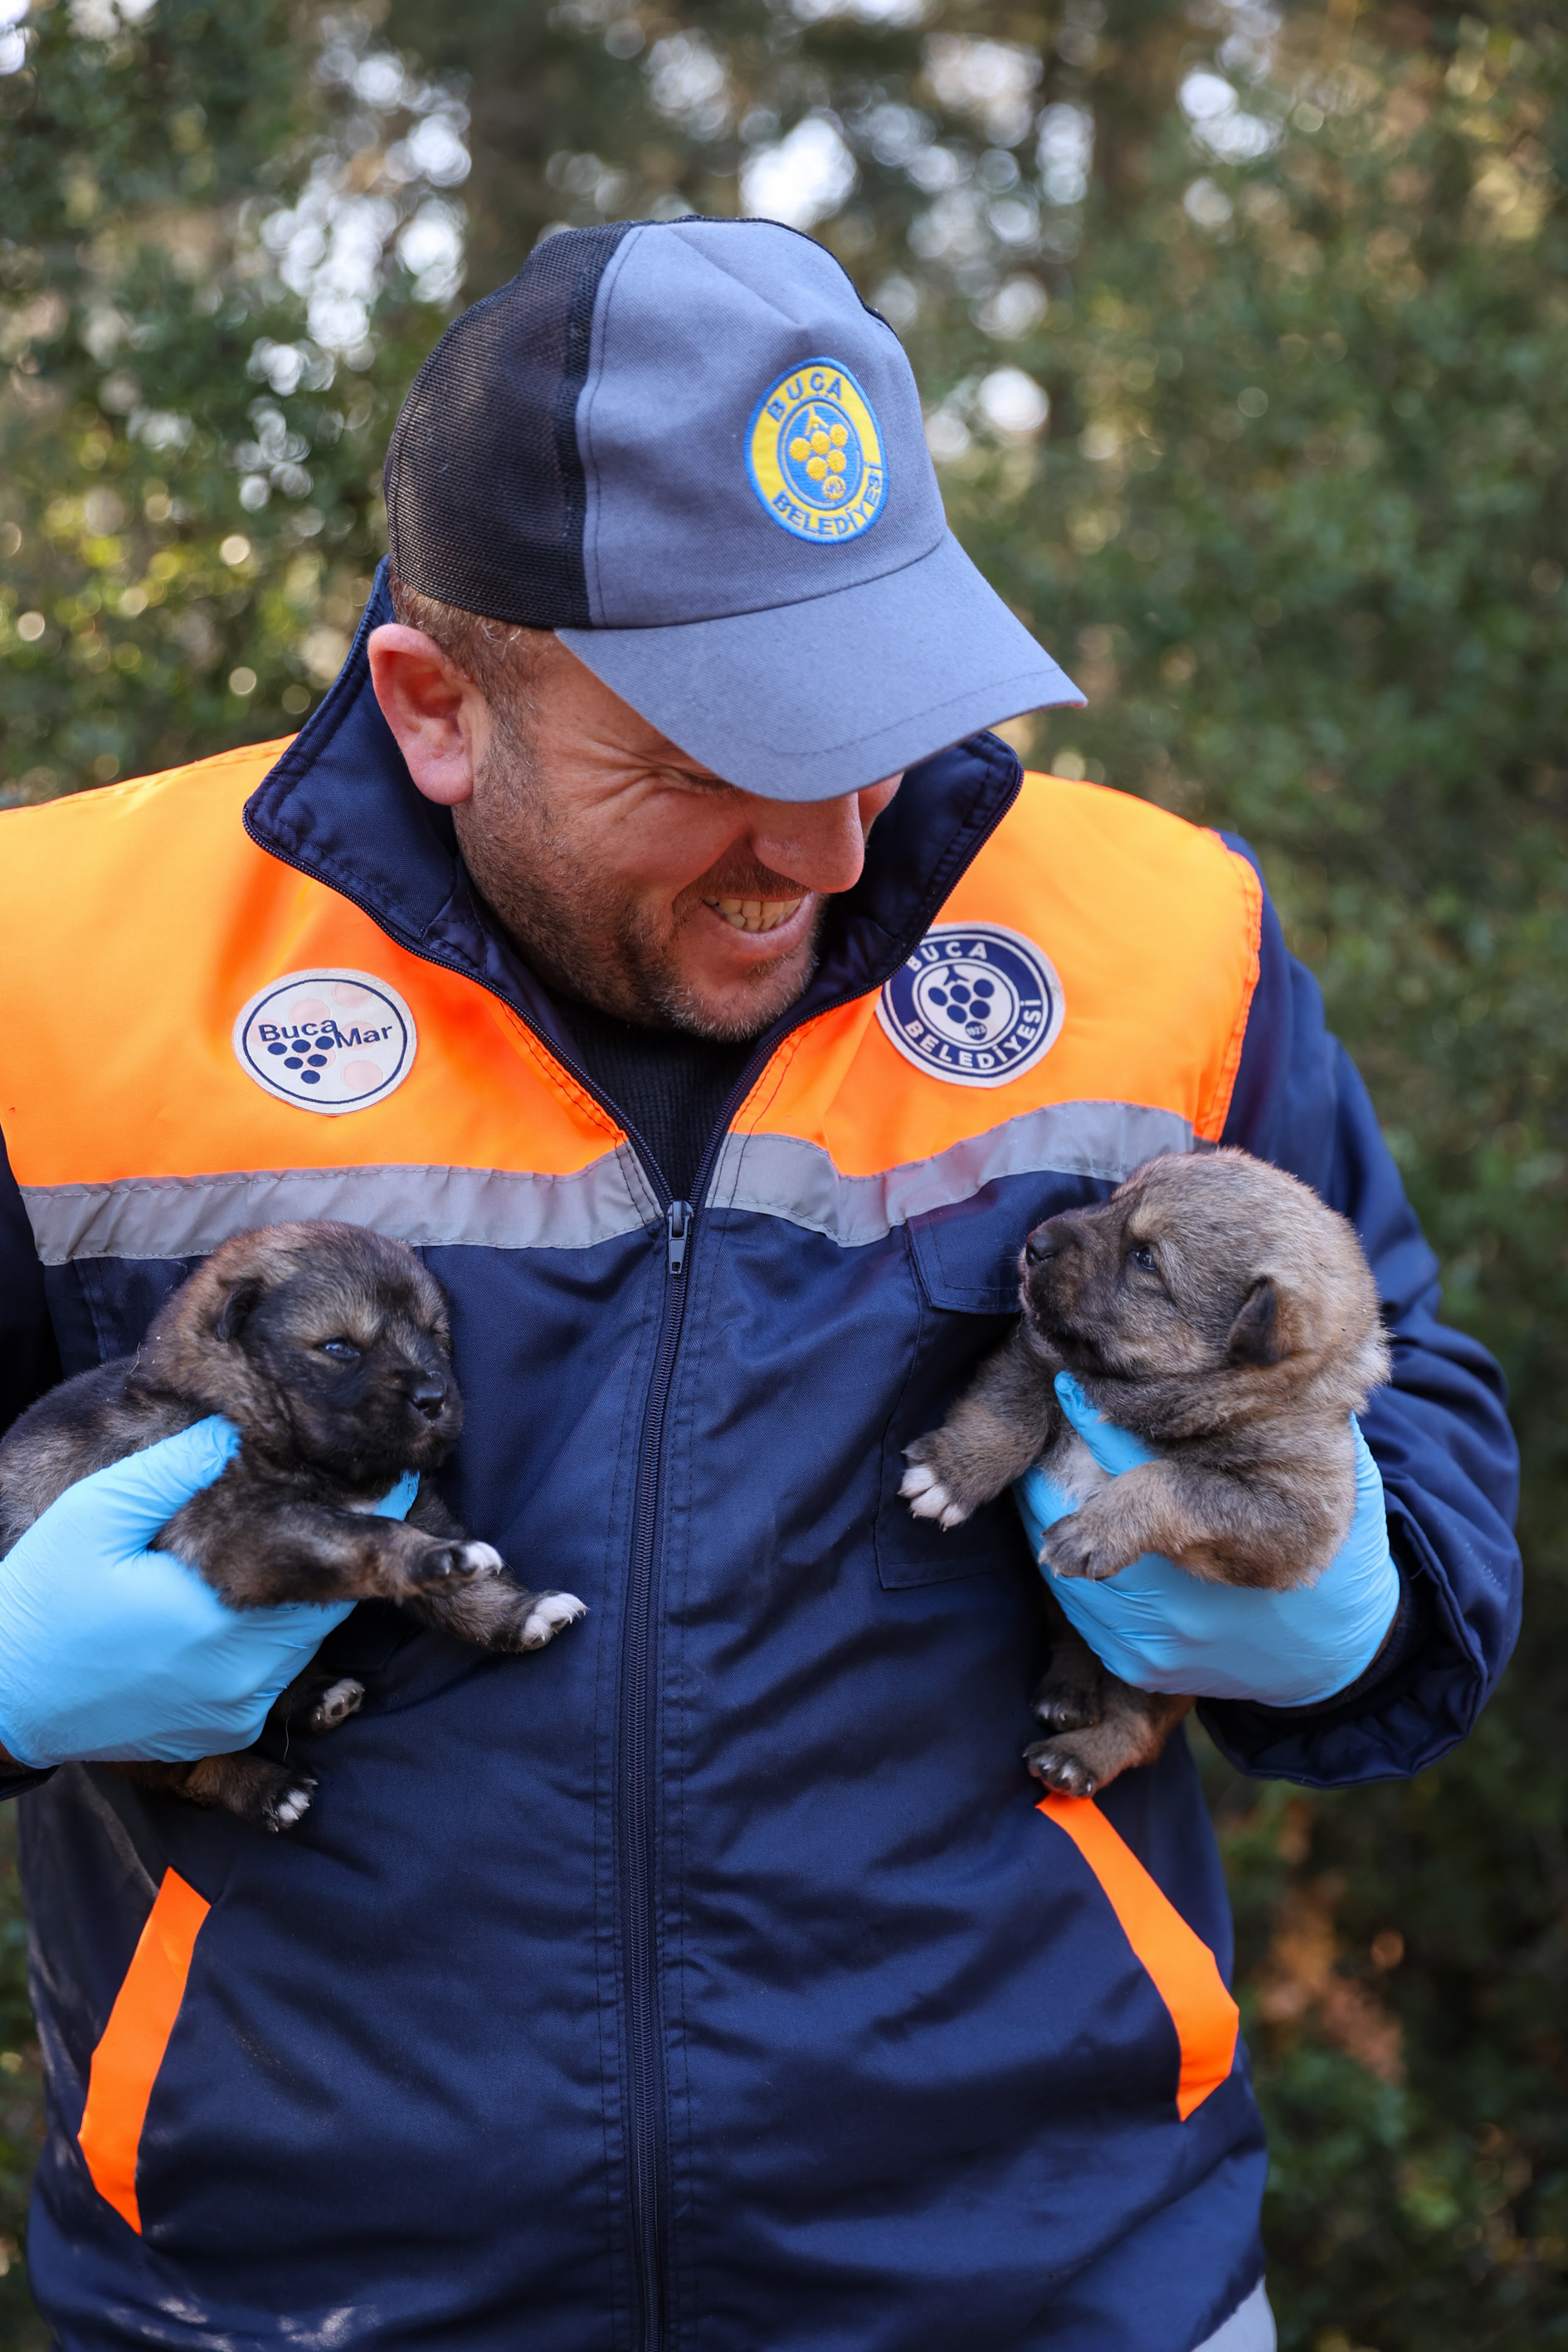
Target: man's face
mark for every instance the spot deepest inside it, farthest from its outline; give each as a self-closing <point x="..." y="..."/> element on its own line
<point x="629" y="874"/>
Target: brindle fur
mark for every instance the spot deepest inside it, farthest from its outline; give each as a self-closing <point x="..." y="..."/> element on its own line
<point x="328" y="1348"/>
<point x="1218" y="1309"/>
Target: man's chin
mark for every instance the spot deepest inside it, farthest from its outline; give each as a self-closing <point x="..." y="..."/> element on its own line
<point x="729" y="1006"/>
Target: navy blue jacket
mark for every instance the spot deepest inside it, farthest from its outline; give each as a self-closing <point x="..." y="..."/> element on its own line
<point x="711" y="1979"/>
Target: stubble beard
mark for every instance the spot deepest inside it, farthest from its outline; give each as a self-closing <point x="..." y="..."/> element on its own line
<point x="585" y="938"/>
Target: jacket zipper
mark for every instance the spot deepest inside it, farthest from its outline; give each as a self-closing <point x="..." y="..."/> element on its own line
<point x="637" y="1826"/>
<point x="638" y="1810"/>
<point x="647" y="2103"/>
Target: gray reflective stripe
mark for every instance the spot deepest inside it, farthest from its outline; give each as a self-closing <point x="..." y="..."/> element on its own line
<point x="1249" y="2328"/>
<point x="783" y="1176"/>
<point x="186" y="1216"/>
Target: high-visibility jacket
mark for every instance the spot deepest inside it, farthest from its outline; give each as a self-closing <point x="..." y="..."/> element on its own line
<point x="714" y="1980"/>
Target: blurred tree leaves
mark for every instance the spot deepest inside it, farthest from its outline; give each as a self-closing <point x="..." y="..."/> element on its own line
<point x="1243" y="335"/>
<point x="202" y="213"/>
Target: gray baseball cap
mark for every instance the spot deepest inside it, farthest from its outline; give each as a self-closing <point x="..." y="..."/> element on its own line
<point x="689" y="449"/>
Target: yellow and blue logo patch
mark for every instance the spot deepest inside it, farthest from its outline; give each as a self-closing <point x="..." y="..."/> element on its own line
<point x="814" y="453"/>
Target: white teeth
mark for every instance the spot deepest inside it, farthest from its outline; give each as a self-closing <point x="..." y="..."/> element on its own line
<point x="754" y="914"/>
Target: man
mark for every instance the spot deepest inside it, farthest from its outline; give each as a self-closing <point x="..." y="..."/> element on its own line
<point x="711" y="1979"/>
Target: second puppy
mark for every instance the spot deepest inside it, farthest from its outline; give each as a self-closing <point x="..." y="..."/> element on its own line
<point x="328" y="1348"/>
<point x="1219" y="1311"/>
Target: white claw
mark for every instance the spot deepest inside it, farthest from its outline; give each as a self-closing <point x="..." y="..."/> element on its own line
<point x="549" y="1613"/>
<point x="293" y="1808"/>
<point x="917" y="1478"/>
<point x="954" y="1515"/>
<point x="482" y="1559"/>
<point x="932" y="1502"/>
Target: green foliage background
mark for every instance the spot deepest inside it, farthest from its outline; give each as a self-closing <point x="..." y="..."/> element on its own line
<point x="1292" y="279"/>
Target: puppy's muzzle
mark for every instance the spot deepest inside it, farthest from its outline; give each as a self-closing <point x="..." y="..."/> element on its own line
<point x="1051" y="1240"/>
<point x="1053" y="1272"/>
<point x="428" y="1395"/>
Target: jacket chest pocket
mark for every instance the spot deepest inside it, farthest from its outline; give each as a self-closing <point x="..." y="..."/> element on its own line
<point x="964" y="1263"/>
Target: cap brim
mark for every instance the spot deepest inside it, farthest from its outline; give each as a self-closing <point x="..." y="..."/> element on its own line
<point x="805" y="701"/>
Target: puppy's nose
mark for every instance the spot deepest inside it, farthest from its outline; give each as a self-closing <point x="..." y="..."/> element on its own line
<point x="1044" y="1242"/>
<point x="426" y="1394"/>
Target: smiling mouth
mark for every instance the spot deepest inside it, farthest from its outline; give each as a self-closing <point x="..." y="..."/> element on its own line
<point x="756" y="914"/>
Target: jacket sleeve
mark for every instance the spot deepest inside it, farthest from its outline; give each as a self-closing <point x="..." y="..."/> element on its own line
<point x="1440" y="1430"/>
<point x="29" y="1361"/>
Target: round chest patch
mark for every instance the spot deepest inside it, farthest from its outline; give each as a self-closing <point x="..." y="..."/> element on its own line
<point x="976" y="1004"/>
<point x="327" y="1040"/>
<point x="814" y="453"/>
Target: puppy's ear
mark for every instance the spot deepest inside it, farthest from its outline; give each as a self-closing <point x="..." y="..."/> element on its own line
<point x="241" y="1302"/>
<point x="1257" y="1336"/>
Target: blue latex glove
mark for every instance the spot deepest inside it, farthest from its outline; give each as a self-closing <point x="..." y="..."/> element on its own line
<point x="108" y="1651"/>
<point x="1162" y="1630"/>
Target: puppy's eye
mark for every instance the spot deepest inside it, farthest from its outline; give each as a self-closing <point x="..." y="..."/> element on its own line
<point x="342" y="1351"/>
<point x="1141" y="1255"/>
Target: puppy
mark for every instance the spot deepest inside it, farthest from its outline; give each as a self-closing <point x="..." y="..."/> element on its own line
<point x="1215" y="1307"/>
<point x="328" y="1348"/>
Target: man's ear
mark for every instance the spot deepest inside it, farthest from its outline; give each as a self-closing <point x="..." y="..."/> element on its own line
<point x="1257" y="1336"/>
<point x="439" y="716"/>
<point x="241" y="1302"/>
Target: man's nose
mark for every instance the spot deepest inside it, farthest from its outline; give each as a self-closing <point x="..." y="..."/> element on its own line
<point x="821" y="845"/>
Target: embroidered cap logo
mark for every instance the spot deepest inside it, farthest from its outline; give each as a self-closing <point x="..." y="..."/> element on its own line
<point x="327" y="1040"/>
<point x="814" y="453"/>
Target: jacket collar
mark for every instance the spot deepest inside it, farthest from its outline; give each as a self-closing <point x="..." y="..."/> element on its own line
<point x="340" y="806"/>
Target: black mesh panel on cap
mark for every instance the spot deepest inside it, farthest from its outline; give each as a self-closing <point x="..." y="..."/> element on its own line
<point x="484" y="482"/>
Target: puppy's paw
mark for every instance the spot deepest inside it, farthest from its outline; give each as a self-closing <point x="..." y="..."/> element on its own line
<point x="460" y="1560"/>
<point x="1067" y="1706"/>
<point x="929" y="1485"/>
<point x="1053" y="1763"/>
<point x="1076" y="1545"/>
<point x="335" y="1705"/>
<point x="548" y="1614"/>
<point x="284" y="1806"/>
<point x="928" y="1498"/>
